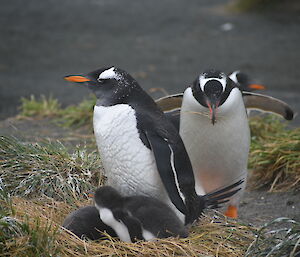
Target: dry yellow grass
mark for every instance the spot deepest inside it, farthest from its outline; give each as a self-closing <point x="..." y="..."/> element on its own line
<point x="212" y="236"/>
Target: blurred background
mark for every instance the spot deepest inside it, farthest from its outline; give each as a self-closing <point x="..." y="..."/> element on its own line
<point x="162" y="43"/>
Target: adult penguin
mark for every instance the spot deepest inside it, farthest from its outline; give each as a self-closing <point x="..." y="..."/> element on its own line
<point x="215" y="130"/>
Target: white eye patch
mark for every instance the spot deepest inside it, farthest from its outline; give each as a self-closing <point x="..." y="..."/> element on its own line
<point x="109" y="74"/>
<point x="203" y="81"/>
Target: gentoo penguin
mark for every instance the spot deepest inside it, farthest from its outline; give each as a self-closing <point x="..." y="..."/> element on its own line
<point x="215" y="131"/>
<point x="85" y="222"/>
<point x="141" y="151"/>
<point x="243" y="81"/>
<point x="214" y="128"/>
<point x="137" y="217"/>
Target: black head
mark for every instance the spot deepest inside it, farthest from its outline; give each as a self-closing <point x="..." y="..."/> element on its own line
<point x="108" y="197"/>
<point x="243" y="81"/>
<point x="211" y="89"/>
<point x="111" y="85"/>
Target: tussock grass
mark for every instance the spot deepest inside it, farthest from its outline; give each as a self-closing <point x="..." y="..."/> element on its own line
<point x="71" y="116"/>
<point x="79" y="115"/>
<point x="48" y="169"/>
<point x="277" y="238"/>
<point x="40" y="108"/>
<point x="274" y="155"/>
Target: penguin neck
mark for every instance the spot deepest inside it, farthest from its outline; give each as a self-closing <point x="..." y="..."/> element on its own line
<point x="131" y="95"/>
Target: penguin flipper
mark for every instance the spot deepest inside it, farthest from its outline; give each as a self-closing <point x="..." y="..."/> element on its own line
<point x="170" y="102"/>
<point x="164" y="158"/>
<point x="174" y="117"/>
<point x="266" y="103"/>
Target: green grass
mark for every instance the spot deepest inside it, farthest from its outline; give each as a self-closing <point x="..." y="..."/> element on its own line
<point x="79" y="115"/>
<point x="41" y="107"/>
<point x="20" y="237"/>
<point x="277" y="238"/>
<point x="274" y="154"/>
<point x="48" y="169"/>
<point x="71" y="116"/>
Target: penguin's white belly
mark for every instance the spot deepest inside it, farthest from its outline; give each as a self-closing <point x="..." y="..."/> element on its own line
<point x="219" y="152"/>
<point x="129" y="165"/>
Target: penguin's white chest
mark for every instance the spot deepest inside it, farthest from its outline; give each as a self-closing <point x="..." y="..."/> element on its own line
<point x="219" y="153"/>
<point x="129" y="165"/>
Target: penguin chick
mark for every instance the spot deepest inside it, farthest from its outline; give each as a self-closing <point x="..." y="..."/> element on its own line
<point x="156" y="219"/>
<point x="85" y="222"/>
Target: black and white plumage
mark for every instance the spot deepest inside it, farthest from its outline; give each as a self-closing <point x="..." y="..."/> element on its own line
<point x="141" y="150"/>
<point x="215" y="131"/>
<point x="214" y="126"/>
<point x="137" y="217"/>
<point x="85" y="222"/>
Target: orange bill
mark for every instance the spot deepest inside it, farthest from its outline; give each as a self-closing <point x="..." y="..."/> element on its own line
<point x="76" y="78"/>
<point x="257" y="86"/>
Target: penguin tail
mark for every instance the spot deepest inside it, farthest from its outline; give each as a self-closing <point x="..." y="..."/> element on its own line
<point x="215" y="199"/>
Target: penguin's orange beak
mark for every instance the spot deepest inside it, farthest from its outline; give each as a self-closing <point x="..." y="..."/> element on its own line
<point x="256" y="87"/>
<point x="76" y="78"/>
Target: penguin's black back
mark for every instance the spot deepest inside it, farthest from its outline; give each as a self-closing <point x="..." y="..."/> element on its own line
<point x="155" y="216"/>
<point x="85" y="222"/>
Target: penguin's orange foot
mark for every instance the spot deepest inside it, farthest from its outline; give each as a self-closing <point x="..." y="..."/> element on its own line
<point x="232" y="212"/>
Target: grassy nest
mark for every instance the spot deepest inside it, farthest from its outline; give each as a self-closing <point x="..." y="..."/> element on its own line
<point x="36" y="231"/>
<point x="274" y="155"/>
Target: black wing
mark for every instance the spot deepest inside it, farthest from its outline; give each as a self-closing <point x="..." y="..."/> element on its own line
<point x="170" y="102"/>
<point x="176" y="173"/>
<point x="268" y="104"/>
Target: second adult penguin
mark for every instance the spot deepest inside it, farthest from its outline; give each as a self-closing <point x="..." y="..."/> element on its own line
<point x="214" y="128"/>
